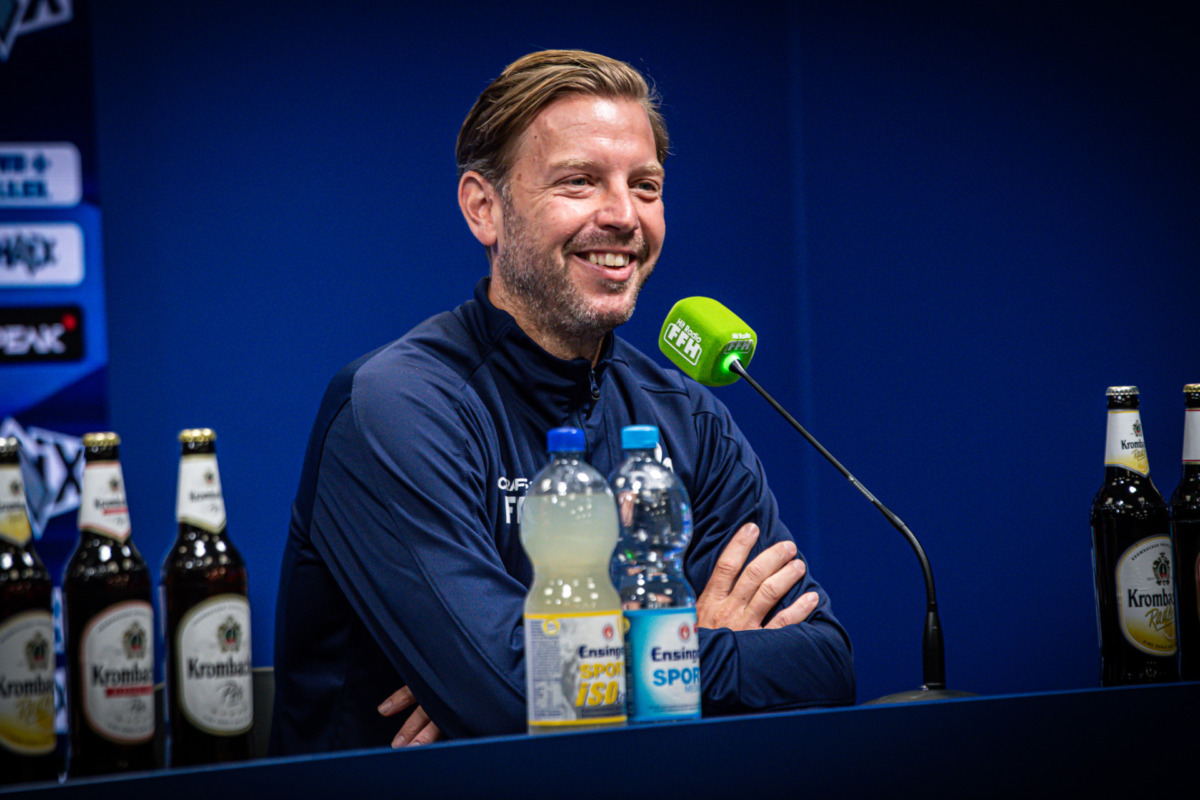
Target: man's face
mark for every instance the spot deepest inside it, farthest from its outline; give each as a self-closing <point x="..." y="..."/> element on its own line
<point x="582" y="216"/>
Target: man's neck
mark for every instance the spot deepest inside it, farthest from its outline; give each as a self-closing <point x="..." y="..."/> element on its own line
<point x="553" y="342"/>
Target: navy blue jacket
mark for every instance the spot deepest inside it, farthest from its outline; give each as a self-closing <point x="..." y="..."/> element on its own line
<point x="403" y="564"/>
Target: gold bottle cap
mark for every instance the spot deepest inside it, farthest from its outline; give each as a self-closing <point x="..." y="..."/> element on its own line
<point x="107" y="439"/>
<point x="197" y="435"/>
<point x="1117" y="391"/>
<point x="1191" y="388"/>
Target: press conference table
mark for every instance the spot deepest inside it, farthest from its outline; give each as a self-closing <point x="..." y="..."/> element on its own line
<point x="1142" y="739"/>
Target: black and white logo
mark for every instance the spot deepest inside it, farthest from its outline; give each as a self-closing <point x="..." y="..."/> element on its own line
<point x="41" y="254"/>
<point x="43" y="334"/>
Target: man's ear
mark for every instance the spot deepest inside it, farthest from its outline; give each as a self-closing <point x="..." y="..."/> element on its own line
<point x="480" y="204"/>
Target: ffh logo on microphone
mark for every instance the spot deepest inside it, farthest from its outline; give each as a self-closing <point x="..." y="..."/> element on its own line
<point x="683" y="340"/>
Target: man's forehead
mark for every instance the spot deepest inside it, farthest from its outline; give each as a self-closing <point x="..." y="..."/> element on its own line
<point x="582" y="119"/>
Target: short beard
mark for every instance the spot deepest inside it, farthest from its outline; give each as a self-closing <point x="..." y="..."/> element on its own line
<point x="548" y="298"/>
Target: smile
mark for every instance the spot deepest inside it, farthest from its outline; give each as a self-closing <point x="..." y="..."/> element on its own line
<point x="608" y="259"/>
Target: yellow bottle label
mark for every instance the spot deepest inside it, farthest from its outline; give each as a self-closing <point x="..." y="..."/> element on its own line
<point x="1125" y="445"/>
<point x="574" y="669"/>
<point x="27" y="683"/>
<point x="1146" y="596"/>
<point x="14" y="521"/>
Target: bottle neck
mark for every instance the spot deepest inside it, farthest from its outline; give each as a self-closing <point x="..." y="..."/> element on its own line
<point x="102" y="505"/>
<point x="14" y="520"/>
<point x="1125" y="447"/>
<point x="199" y="501"/>
<point x="1191" y="440"/>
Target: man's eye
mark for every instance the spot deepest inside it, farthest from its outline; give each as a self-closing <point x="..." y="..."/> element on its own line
<point x="578" y="181"/>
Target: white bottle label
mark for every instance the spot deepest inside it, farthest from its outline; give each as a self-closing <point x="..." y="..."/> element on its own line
<point x="14" y="521"/>
<point x="213" y="675"/>
<point x="1191" y="436"/>
<point x="1146" y="596"/>
<point x="199" y="501"/>
<point x="1124" y="444"/>
<point x="574" y="669"/>
<point x="103" y="508"/>
<point x="27" y="683"/>
<point x="664" y="664"/>
<point x="117" y="651"/>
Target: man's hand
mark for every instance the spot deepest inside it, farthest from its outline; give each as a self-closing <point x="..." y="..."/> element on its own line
<point x="741" y="602"/>
<point x="418" y="728"/>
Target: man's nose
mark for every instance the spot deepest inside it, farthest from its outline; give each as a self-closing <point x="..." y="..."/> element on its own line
<point x="617" y="210"/>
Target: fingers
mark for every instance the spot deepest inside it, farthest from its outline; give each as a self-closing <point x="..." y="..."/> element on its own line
<point x="769" y="576"/>
<point x="731" y="560"/>
<point x="798" y="611"/>
<point x="399" y="700"/>
<point x="417" y="729"/>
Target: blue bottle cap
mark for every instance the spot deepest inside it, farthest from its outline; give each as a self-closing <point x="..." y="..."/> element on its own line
<point x="565" y="440"/>
<point x="639" y="437"/>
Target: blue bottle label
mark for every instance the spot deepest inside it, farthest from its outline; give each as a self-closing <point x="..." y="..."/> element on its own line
<point x="663" y="655"/>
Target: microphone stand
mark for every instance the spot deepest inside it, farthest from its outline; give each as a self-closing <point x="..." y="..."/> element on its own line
<point x="933" y="649"/>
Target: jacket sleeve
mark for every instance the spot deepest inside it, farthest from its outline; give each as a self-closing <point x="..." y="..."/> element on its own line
<point x="400" y="517"/>
<point x="801" y="665"/>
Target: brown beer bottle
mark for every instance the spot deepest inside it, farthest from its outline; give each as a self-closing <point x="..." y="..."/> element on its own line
<point x="1131" y="553"/>
<point x="27" y="740"/>
<point x="211" y="706"/>
<point x="109" y="627"/>
<point x="1185" y="537"/>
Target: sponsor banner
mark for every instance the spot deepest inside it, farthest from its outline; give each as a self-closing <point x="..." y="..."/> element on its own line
<point x="53" y="345"/>
<point x="40" y="175"/>
<point x="47" y="254"/>
<point x="32" y="335"/>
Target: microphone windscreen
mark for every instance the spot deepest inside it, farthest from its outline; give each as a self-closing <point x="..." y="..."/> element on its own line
<point x="701" y="337"/>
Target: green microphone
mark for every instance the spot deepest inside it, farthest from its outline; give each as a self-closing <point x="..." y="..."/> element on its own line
<point x="703" y="338"/>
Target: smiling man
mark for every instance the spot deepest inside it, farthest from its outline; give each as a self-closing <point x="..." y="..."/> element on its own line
<point x="403" y="565"/>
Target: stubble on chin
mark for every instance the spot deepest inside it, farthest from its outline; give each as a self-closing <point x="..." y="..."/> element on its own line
<point x="540" y="283"/>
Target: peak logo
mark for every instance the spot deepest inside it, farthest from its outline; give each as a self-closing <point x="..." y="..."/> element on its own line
<point x="31" y="335"/>
<point x="52" y="466"/>
<point x="18" y="17"/>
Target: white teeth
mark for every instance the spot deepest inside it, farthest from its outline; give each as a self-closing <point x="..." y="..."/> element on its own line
<point x="608" y="259"/>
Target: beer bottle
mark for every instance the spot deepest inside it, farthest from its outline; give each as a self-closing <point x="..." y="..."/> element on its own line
<point x="1131" y="553"/>
<point x="27" y="740"/>
<point x="109" y="627"/>
<point x="211" y="708"/>
<point x="1185" y="535"/>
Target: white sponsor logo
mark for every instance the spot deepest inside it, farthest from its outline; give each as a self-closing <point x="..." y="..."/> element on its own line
<point x="41" y="255"/>
<point x="39" y="174"/>
<point x="684" y="341"/>
<point x="52" y="469"/>
<point x="19" y="17"/>
<point x="514" y="497"/>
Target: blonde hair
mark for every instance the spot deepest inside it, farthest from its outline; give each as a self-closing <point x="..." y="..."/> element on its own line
<point x="493" y="127"/>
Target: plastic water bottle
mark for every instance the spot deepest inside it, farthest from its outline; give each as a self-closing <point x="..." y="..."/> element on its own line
<point x="662" y="652"/>
<point x="574" y="649"/>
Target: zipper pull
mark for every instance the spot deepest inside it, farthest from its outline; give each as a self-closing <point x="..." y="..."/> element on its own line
<point x="595" y="386"/>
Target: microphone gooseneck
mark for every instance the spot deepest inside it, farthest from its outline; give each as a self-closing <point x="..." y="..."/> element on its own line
<point x="711" y="344"/>
<point x="934" y="673"/>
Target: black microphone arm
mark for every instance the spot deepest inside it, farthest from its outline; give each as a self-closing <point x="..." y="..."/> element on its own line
<point x="934" y="683"/>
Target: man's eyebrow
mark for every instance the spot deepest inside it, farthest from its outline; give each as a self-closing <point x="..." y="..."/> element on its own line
<point x="587" y="165"/>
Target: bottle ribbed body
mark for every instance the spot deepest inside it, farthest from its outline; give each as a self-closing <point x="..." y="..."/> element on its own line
<point x="574" y="647"/>
<point x="1132" y="558"/>
<point x="662" y="654"/>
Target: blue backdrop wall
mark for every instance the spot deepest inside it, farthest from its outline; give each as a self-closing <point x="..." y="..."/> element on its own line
<point x="952" y="230"/>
